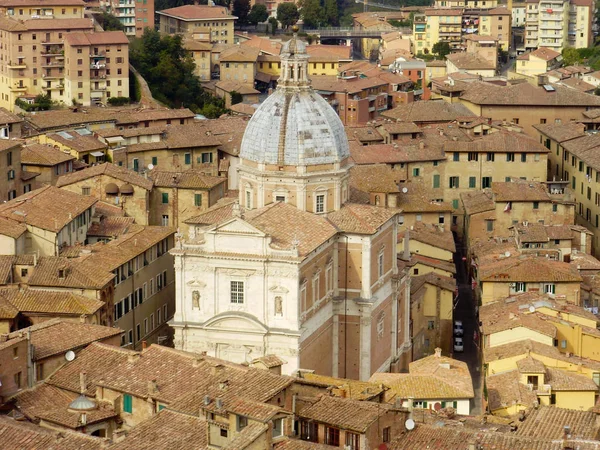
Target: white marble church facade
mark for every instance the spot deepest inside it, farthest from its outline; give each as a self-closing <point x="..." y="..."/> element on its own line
<point x="292" y="268"/>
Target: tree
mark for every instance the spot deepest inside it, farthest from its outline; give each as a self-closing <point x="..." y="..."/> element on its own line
<point x="169" y="71"/>
<point x="312" y="13"/>
<point x="236" y="97"/>
<point x="287" y="14"/>
<point x="571" y="56"/>
<point x="108" y="22"/>
<point x="441" y="49"/>
<point x="241" y="8"/>
<point x="258" y="14"/>
<point x="273" y="22"/>
<point x="331" y="12"/>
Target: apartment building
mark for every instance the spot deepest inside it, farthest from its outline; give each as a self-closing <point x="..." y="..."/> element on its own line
<point x="135" y="16"/>
<point x="199" y="22"/>
<point x="451" y="24"/>
<point x="10" y="165"/>
<point x="96" y="67"/>
<point x="538" y="62"/>
<point x="33" y="57"/>
<point x="42" y="9"/>
<point x="558" y="24"/>
<point x="572" y="159"/>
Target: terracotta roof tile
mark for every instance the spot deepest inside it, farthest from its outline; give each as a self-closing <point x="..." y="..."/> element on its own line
<point x="505" y="390"/>
<point x="167" y="429"/>
<point x="361" y="219"/>
<point x="428" y="111"/>
<point x="24" y="436"/>
<point x="432" y="235"/>
<point x="563" y="380"/>
<point x="502" y="142"/>
<point x="525" y="94"/>
<point x="547" y="422"/>
<point x="544" y="53"/>
<point x="108" y="169"/>
<point x="520" y="191"/>
<point x="43" y="155"/>
<point x="527" y="269"/>
<point x="374" y="178"/>
<point x="189" y="179"/>
<point x="296" y="444"/>
<point x="530" y="365"/>
<point x="219" y="212"/>
<point x="469" y="61"/>
<point x="432" y="262"/>
<point x="56" y="336"/>
<point x="51" y="404"/>
<point x="477" y="201"/>
<point x="12" y="228"/>
<point x="110" y="226"/>
<point x="32" y="301"/>
<point x="357" y="390"/>
<point x="102" y="38"/>
<point x="344" y="413"/>
<point x="46" y="273"/>
<point x="48" y="208"/>
<point x="198" y="12"/>
<point x="270" y="361"/>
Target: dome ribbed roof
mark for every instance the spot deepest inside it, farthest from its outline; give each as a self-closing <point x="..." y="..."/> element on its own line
<point x="82" y="403"/>
<point x="295" y="128"/>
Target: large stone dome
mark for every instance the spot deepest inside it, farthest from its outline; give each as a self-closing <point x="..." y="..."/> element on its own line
<point x="295" y="127"/>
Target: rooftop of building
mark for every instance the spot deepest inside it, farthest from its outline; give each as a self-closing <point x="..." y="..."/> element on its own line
<point x="525" y="94"/>
<point x="431" y="234"/>
<point x="561" y="132"/>
<point x="80" y="140"/>
<point x="544" y="53"/>
<point x="354" y="218"/>
<point x="527" y="268"/>
<point x="198" y="12"/>
<point x="48" y="208"/>
<point x="433" y="377"/>
<point x="109" y="170"/>
<point x="470" y="61"/>
<point x="101" y="38"/>
<point x="342" y="387"/>
<point x="501" y="141"/>
<point x="428" y="111"/>
<point x="188" y="179"/>
<point x="43" y="155"/>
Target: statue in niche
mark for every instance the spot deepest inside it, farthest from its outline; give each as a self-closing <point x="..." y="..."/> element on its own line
<point x="278" y="306"/>
<point x="196" y="299"/>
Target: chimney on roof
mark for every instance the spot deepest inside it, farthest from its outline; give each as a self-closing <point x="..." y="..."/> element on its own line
<point x="219" y="403"/>
<point x="144" y="345"/>
<point x="421" y="145"/>
<point x="206" y="400"/>
<point x="82" y="382"/>
<point x="152" y="387"/>
<point x="567" y="432"/>
<point x="438" y="352"/>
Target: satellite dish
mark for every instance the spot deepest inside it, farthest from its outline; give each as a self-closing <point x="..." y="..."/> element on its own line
<point x="404" y="190"/>
<point x="150" y="166"/>
<point x="507" y="253"/>
<point x="70" y="355"/>
<point x="532" y="309"/>
<point x="409" y="424"/>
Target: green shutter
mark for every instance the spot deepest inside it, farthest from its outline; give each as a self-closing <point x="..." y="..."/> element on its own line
<point x="425" y="405"/>
<point x="161" y="407"/>
<point x="573" y="183"/>
<point x="188" y="158"/>
<point x="454" y="405"/>
<point x="127" y="403"/>
<point x="436" y="181"/>
<point x="154" y="161"/>
<point x="198" y="199"/>
<point x="455" y="204"/>
<point x="165" y="197"/>
<point x="507" y="179"/>
<point x="472" y="182"/>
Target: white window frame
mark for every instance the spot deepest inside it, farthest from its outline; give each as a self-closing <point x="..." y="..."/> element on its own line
<point x="549" y="288"/>
<point x="237" y="295"/>
<point x="320" y="202"/>
<point x="520" y="286"/>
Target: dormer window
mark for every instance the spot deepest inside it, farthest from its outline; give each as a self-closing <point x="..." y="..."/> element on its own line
<point x="242" y="422"/>
<point x="61" y="273"/>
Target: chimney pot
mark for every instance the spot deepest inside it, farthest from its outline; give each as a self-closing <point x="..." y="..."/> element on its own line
<point x="144" y="345"/>
<point x="82" y="382"/>
<point x="438" y="352"/>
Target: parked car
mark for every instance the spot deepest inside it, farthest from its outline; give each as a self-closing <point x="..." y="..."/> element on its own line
<point x="458" y="328"/>
<point x="458" y="344"/>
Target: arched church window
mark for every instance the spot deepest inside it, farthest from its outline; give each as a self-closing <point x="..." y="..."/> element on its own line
<point x="279" y="305"/>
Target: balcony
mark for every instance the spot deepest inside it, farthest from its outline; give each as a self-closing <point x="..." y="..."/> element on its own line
<point x="97" y="88"/>
<point x="54" y="88"/>
<point x="17" y="87"/>
<point x="53" y="64"/>
<point x="97" y="66"/>
<point x="17" y="65"/>
<point x="97" y="77"/>
<point x="52" y="77"/>
<point x="53" y="50"/>
<point x="98" y="55"/>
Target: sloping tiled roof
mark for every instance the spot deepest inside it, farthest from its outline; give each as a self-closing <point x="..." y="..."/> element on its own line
<point x="428" y="111"/>
<point x="32" y="301"/>
<point x="344" y="413"/>
<point x="198" y="12"/>
<point x="108" y="169"/>
<point x="547" y="422"/>
<point x="545" y="53"/>
<point x="374" y="178"/>
<point x="355" y="218"/>
<point x="357" y="390"/>
<point x="563" y="132"/>
<point x="51" y="404"/>
<point x="286" y="224"/>
<point x="48" y="208"/>
<point x="505" y="390"/>
<point x="110" y="226"/>
<point x="527" y="269"/>
<point x="25" y="436"/>
<point x="189" y="179"/>
<point x="432" y="235"/>
<point x="43" y="155"/>
<point x="520" y="191"/>
<point x="57" y="336"/>
<point x="219" y="212"/>
<point x="477" y="201"/>
<point x="563" y="380"/>
<point x="469" y="61"/>
<point x="167" y="429"/>
<point x="525" y="94"/>
<point x="501" y="142"/>
<point x="46" y="273"/>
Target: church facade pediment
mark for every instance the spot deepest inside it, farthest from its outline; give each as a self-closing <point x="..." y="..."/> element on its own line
<point x="235" y="321"/>
<point x="237" y="226"/>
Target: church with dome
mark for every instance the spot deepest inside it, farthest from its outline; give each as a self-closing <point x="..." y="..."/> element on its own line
<point x="291" y="268"/>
